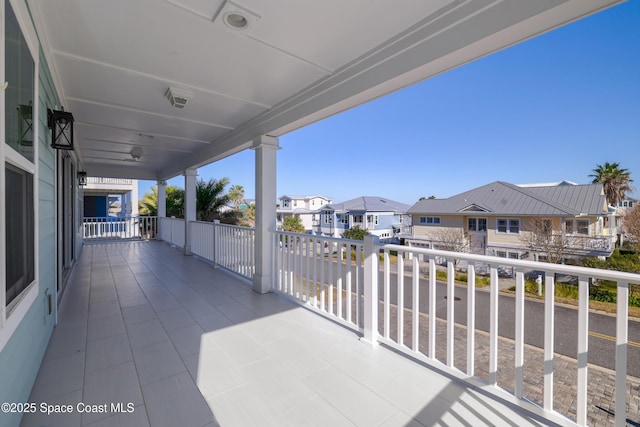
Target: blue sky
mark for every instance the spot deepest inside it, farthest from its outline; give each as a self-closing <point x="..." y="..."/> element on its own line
<point x="548" y="109"/>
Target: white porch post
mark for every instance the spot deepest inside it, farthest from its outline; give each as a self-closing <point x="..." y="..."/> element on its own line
<point x="162" y="206"/>
<point x="134" y="198"/>
<point x="124" y="204"/>
<point x="265" y="148"/>
<point x="189" y="206"/>
<point x="371" y="298"/>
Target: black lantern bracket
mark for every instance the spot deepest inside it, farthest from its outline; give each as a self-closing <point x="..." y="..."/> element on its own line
<point x="61" y="125"/>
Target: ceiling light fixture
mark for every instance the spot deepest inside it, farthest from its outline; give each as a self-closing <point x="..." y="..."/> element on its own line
<point x="236" y="17"/>
<point x="235" y="20"/>
<point x="136" y="153"/>
<point x="178" y="97"/>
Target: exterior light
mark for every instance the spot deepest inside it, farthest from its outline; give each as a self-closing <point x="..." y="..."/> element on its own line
<point x="82" y="178"/>
<point x="177" y="97"/>
<point x="236" y="21"/>
<point x="61" y="125"/>
<point x="236" y="17"/>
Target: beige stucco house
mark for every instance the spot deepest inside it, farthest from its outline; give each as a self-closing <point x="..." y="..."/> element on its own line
<point x="553" y="221"/>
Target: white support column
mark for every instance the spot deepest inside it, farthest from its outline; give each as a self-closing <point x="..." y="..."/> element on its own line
<point x="371" y="263"/>
<point x="189" y="206"/>
<point x="124" y="204"/>
<point x="162" y="206"/>
<point x="134" y="198"/>
<point x="265" y="148"/>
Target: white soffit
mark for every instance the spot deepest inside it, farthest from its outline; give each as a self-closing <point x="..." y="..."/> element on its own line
<point x="297" y="62"/>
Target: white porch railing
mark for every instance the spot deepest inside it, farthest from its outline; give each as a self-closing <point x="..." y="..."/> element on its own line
<point x="172" y="230"/>
<point x="228" y="246"/>
<point x="102" y="180"/>
<point x="356" y="283"/>
<point x="129" y="227"/>
<point x="307" y="269"/>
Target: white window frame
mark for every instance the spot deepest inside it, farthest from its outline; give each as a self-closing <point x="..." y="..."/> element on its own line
<point x="569" y="226"/>
<point x="577" y="230"/>
<point x="429" y="220"/>
<point x="11" y="316"/>
<point x="509" y="222"/>
<point x="476" y="227"/>
<point x="327" y="217"/>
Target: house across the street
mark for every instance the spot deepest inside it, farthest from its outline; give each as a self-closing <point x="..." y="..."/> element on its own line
<point x="551" y="221"/>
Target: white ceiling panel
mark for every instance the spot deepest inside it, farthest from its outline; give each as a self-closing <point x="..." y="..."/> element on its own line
<point x="97" y="83"/>
<point x="320" y="27"/>
<point x="297" y="62"/>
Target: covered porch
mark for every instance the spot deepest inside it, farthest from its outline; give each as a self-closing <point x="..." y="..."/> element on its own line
<point x="143" y="333"/>
<point x="176" y="341"/>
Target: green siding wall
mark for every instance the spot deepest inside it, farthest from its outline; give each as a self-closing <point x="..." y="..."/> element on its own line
<point x="21" y="357"/>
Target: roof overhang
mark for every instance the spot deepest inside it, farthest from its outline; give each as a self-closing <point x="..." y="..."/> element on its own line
<point x="114" y="62"/>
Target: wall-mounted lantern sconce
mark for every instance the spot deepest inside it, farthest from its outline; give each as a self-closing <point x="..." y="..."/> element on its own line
<point x="61" y="125"/>
<point x="82" y="178"/>
<point x="25" y="125"/>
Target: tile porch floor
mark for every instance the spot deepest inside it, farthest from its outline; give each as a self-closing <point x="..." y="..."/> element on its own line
<point x="189" y="345"/>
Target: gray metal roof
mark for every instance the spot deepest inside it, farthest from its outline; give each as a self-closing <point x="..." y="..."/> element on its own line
<point x="503" y="198"/>
<point x="368" y="204"/>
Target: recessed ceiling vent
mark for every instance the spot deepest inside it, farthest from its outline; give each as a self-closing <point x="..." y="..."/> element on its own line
<point x="178" y="97"/>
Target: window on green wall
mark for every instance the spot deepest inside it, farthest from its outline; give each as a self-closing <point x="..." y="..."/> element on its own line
<point x="18" y="161"/>
<point x="19" y="220"/>
<point x="19" y="95"/>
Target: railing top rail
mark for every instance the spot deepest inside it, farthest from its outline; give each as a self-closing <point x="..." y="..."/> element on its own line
<point x="533" y="265"/>
<point x="242" y="227"/>
<point x="120" y="217"/>
<point x="317" y="237"/>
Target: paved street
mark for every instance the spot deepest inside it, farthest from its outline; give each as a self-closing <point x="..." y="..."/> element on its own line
<point x="601" y="326"/>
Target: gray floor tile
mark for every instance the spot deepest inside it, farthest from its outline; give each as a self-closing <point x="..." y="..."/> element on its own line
<point x="176" y="401"/>
<point x="107" y="352"/>
<point x="103" y="327"/>
<point x="136" y="418"/>
<point x="157" y="361"/>
<point x="145" y="333"/>
<point x="58" y="377"/>
<point x="213" y="321"/>
<point x="175" y="318"/>
<point x="65" y="342"/>
<point x="68" y="419"/>
<point x="187" y="340"/>
<point x="138" y="313"/>
<point x="117" y="384"/>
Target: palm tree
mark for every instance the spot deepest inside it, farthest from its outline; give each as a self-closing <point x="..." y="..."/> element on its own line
<point x="249" y="216"/>
<point x="211" y="201"/>
<point x="615" y="181"/>
<point x="174" y="201"/>
<point x="148" y="205"/>
<point x="236" y="194"/>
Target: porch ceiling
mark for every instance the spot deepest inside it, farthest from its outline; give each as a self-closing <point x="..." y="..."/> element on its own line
<point x="298" y="62"/>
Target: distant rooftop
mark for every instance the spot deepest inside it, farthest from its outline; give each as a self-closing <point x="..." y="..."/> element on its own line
<point x="369" y="204"/>
<point x="549" y="184"/>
